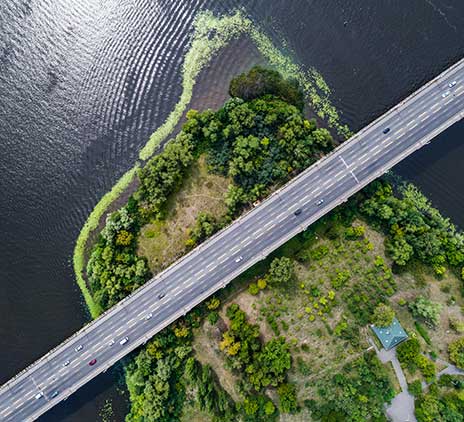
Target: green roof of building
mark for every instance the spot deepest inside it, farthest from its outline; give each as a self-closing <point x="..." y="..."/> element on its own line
<point x="390" y="336"/>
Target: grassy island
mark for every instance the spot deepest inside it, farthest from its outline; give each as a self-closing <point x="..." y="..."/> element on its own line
<point x="293" y="330"/>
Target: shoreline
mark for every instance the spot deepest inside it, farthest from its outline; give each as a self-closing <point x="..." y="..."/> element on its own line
<point x="205" y="51"/>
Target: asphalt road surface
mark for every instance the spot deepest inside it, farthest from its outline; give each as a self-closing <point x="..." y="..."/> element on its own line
<point x="367" y="155"/>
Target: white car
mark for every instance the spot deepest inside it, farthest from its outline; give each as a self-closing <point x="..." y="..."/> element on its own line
<point x="66" y="363"/>
<point x="320" y="202"/>
<point x="149" y="316"/>
<point x="39" y="395"/>
<point x="78" y="348"/>
<point x="451" y="84"/>
<point x="239" y="258"/>
<point x="445" y="94"/>
<point x="124" y="341"/>
<point x="111" y="342"/>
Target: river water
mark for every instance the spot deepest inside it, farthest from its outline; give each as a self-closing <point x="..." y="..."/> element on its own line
<point x="84" y="83"/>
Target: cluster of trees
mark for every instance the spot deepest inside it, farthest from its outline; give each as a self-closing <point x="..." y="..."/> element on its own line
<point x="262" y="364"/>
<point x="154" y="378"/>
<point x="356" y="394"/>
<point x="211" y="397"/>
<point x="261" y="82"/>
<point x="456" y="352"/>
<point x="163" y="175"/>
<point x="444" y="401"/>
<point x="415" y="230"/>
<point x="114" y="270"/>
<point x="258" y="143"/>
<point x="383" y="315"/>
<point x="409" y="354"/>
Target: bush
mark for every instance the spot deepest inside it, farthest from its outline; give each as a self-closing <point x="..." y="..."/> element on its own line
<point x="456" y="352"/>
<point x="262" y="283"/>
<point x="213" y="317"/>
<point x="253" y="289"/>
<point x="456" y="324"/>
<point x="383" y="315"/>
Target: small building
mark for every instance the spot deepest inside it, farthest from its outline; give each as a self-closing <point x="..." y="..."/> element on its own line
<point x="390" y="336"/>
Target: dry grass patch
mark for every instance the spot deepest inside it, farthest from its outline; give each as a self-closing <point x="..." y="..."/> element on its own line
<point x="162" y="242"/>
<point x="206" y="347"/>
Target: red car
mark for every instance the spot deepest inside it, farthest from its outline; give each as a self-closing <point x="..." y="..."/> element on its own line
<point x="93" y="362"/>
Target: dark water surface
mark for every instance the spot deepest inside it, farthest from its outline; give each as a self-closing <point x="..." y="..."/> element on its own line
<point x="84" y="83"/>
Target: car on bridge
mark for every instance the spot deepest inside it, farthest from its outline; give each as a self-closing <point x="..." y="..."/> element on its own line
<point x="386" y="130"/>
<point x="54" y="394"/>
<point x="93" y="362"/>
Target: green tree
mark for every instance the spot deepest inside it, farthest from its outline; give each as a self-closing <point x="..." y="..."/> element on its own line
<point x="281" y="271"/>
<point x="426" y="309"/>
<point x="383" y="315"/>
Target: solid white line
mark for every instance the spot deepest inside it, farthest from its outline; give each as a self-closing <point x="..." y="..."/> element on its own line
<point x="343" y="161"/>
<point x="355" y="178"/>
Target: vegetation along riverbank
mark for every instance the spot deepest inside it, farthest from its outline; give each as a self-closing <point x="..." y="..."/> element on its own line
<point x="294" y="329"/>
<point x="210" y="35"/>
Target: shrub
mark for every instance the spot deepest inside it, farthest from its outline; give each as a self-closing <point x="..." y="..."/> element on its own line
<point x="213" y="303"/>
<point x="383" y="315"/>
<point x="253" y="289"/>
<point x="213" y="317"/>
<point x="262" y="283"/>
<point x="457" y="324"/>
<point x="456" y="352"/>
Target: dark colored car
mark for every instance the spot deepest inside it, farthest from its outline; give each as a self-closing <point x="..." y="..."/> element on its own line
<point x="93" y="362"/>
<point x="298" y="211"/>
<point x="386" y="130"/>
<point x="161" y="295"/>
<point x="54" y="394"/>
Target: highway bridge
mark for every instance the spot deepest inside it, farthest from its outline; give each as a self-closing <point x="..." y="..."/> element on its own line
<point x="367" y="155"/>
